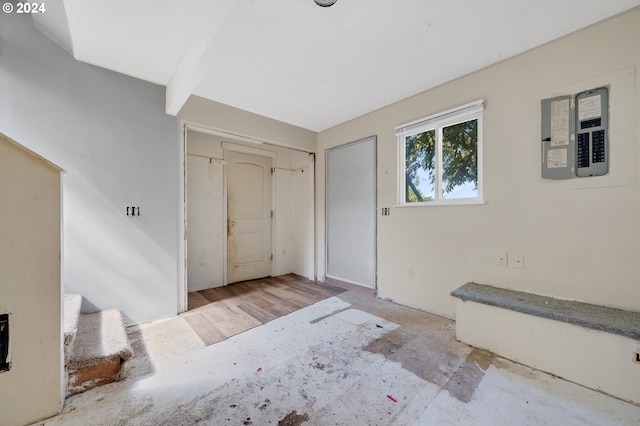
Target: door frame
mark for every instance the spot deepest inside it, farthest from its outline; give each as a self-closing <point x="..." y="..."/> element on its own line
<point x="185" y="126"/>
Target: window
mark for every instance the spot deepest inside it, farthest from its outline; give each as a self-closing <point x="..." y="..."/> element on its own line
<point x="441" y="158"/>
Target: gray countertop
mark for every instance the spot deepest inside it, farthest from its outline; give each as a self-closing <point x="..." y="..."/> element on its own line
<point x="603" y="318"/>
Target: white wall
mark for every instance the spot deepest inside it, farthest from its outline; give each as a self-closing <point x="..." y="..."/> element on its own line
<point x="30" y="287"/>
<point x="293" y="199"/>
<point x="579" y="238"/>
<point x="119" y="148"/>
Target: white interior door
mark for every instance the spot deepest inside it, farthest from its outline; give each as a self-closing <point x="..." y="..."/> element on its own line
<point x="351" y="212"/>
<point x="205" y="223"/>
<point x="248" y="216"/>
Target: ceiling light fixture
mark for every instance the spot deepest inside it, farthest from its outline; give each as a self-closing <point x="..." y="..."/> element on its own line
<point x="325" y="3"/>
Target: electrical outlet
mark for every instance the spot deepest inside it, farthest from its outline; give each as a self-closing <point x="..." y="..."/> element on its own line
<point x="517" y="261"/>
<point x="410" y="272"/>
<point x="501" y="258"/>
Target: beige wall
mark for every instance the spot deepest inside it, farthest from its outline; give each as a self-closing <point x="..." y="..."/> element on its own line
<point x="30" y="288"/>
<point x="218" y="116"/>
<point x="579" y="238"/>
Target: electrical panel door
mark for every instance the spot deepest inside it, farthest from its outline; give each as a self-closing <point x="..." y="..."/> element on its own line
<point x="558" y="138"/>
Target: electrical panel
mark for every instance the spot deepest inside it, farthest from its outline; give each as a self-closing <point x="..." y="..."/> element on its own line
<point x="592" y="135"/>
<point x="575" y="135"/>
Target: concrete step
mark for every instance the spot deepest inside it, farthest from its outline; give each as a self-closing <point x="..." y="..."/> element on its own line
<point x="71" y="315"/>
<point x="98" y="352"/>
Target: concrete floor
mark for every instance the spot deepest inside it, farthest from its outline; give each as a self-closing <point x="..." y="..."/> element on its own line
<point x="347" y="360"/>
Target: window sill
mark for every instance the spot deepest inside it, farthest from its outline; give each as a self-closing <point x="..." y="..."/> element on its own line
<point x="458" y="202"/>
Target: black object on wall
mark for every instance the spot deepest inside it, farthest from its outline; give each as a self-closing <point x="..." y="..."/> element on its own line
<point x="4" y="342"/>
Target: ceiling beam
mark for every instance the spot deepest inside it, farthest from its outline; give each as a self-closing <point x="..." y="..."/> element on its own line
<point x="207" y="41"/>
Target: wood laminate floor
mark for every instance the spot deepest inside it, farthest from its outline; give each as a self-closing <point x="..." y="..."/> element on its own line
<point x="218" y="313"/>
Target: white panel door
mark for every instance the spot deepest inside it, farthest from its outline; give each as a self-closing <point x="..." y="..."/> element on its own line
<point x="351" y="212"/>
<point x="248" y="216"/>
<point x="205" y="223"/>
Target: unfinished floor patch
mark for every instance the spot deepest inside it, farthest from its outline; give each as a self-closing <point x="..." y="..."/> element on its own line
<point x="423" y="344"/>
<point x="293" y="419"/>
<point x="296" y="369"/>
<point x="466" y="379"/>
<point x="511" y="393"/>
<point x="356" y="317"/>
<point x="301" y="365"/>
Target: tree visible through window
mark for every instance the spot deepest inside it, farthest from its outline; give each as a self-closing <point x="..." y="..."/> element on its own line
<point x="420" y="157"/>
<point x="441" y="159"/>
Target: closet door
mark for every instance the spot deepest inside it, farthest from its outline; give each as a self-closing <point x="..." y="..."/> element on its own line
<point x="351" y="212"/>
<point x="205" y="223"/>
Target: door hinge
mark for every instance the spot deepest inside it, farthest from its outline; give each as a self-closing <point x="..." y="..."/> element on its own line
<point x="272" y="213"/>
<point x="273" y="170"/>
<point x="271" y="256"/>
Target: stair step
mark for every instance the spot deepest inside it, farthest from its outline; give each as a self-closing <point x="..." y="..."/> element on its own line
<point x="97" y="353"/>
<point x="71" y="314"/>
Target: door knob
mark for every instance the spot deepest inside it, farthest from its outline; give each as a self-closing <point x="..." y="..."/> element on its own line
<point x="231" y="224"/>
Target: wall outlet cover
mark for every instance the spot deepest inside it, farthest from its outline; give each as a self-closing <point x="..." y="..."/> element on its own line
<point x="501" y="258"/>
<point x="517" y="261"/>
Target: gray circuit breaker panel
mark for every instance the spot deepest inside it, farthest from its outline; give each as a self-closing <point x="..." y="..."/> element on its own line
<point x="575" y="135"/>
<point x="592" y="133"/>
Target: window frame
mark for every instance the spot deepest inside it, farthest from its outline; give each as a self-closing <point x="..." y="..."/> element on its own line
<point x="463" y="113"/>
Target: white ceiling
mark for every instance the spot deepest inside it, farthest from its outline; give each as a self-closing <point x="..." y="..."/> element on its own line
<point x="309" y="66"/>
